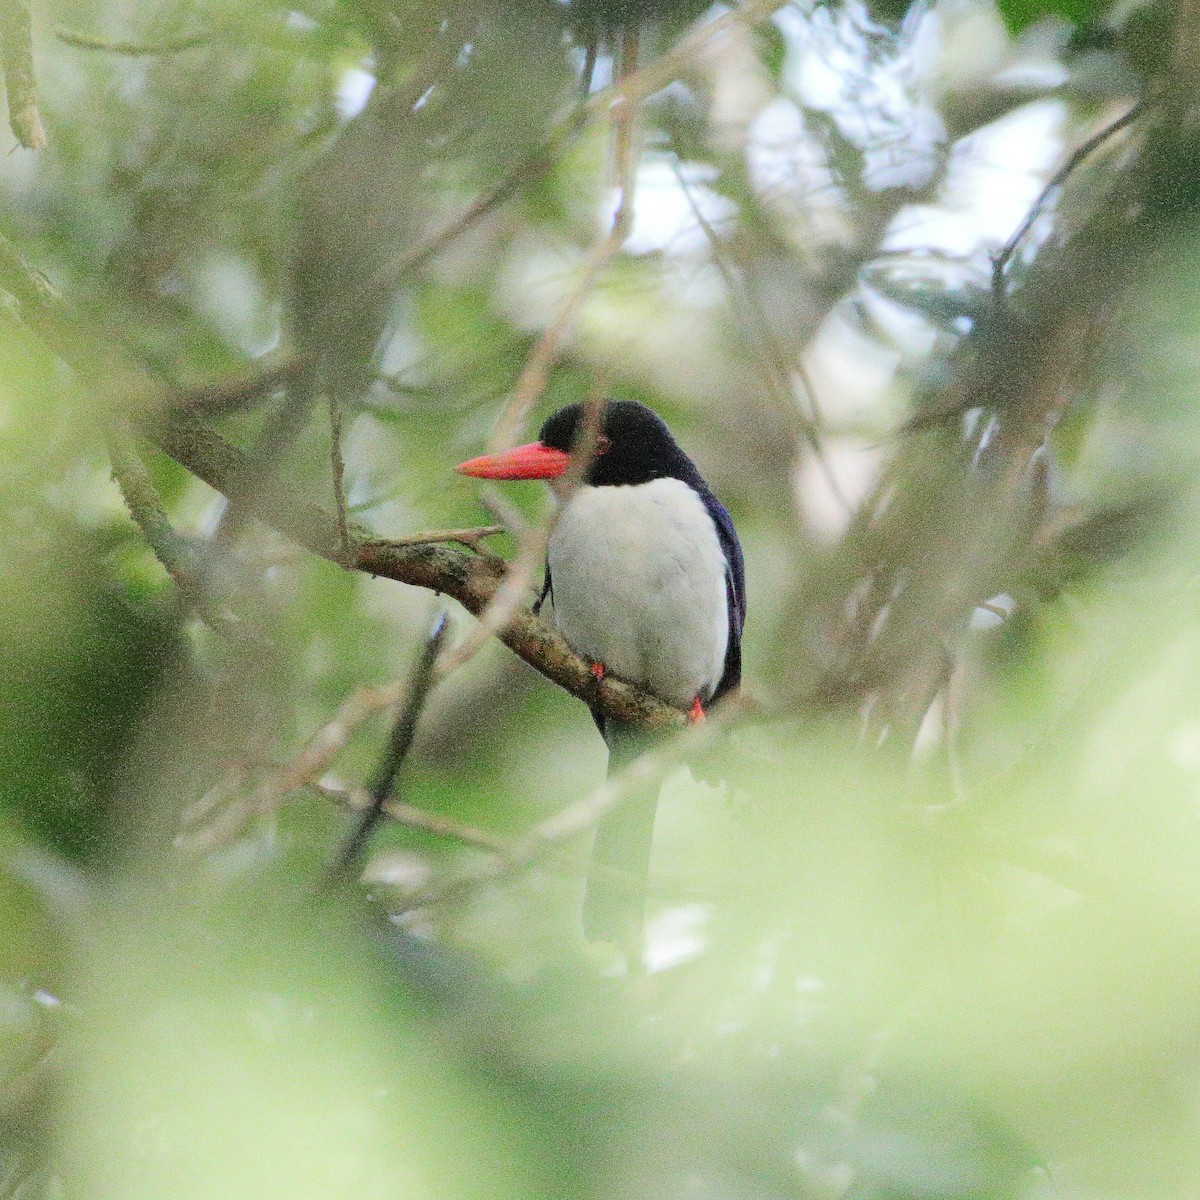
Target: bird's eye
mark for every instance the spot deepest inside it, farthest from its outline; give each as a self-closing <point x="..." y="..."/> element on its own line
<point x="603" y="444"/>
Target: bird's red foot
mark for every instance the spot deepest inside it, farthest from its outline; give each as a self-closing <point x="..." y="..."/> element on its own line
<point x="696" y="712"/>
<point x="597" y="669"/>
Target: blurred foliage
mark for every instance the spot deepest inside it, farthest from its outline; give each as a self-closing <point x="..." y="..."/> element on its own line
<point x="931" y="934"/>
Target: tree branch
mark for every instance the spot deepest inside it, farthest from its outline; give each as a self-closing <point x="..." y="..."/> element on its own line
<point x="470" y="579"/>
<point x="145" y="506"/>
<point x="471" y="538"/>
<point x="337" y="468"/>
<point x="531" y="551"/>
<point x="1053" y="186"/>
<point x="400" y="739"/>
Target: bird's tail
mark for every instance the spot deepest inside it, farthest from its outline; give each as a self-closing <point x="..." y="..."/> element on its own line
<point x="615" y="902"/>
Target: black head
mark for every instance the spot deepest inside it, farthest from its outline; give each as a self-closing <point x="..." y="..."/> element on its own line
<point x="634" y="445"/>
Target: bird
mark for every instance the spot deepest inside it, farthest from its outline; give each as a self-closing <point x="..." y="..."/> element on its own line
<point x="646" y="578"/>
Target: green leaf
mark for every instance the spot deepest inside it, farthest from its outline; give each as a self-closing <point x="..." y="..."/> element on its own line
<point x="1019" y="14"/>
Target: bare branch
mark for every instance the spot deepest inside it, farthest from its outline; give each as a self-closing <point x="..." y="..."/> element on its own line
<point x="359" y="800"/>
<point x="220" y="815"/>
<point x="400" y="739"/>
<point x="531" y="383"/>
<point x="624" y="122"/>
<point x="1054" y="184"/>
<point x="531" y="551"/>
<point x="172" y="551"/>
<point x="337" y="467"/>
<point x="324" y="746"/>
<point x="87" y="41"/>
<point x="527" y="171"/>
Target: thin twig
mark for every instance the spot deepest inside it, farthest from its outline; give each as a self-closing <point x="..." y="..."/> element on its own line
<point x="325" y="745"/>
<point x="1001" y="260"/>
<point x="338" y="471"/>
<point x="776" y="371"/>
<point x="276" y="436"/>
<point x="508" y="597"/>
<point x="624" y="122"/>
<point x="503" y="509"/>
<point x="530" y="169"/>
<point x="16" y="52"/>
<point x="531" y="550"/>
<point x="215" y="798"/>
<point x="590" y="54"/>
<point x="216" y="819"/>
<point x="531" y="383"/>
<point x="87" y="41"/>
<point x="668" y="67"/>
<point x="359" y="800"/>
<point x="411" y="817"/>
<point x="145" y="505"/>
<point x="238" y="391"/>
<point x="400" y="739"/>
<point x="219" y="816"/>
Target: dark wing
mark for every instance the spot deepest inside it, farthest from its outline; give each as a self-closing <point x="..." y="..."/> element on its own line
<point x="547" y="590"/>
<point x="735" y="594"/>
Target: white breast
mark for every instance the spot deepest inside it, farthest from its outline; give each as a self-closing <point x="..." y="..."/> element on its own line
<point x="639" y="585"/>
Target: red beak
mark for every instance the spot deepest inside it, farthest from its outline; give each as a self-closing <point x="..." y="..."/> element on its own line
<point x="533" y="461"/>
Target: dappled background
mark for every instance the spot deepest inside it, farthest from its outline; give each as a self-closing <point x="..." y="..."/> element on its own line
<point x="925" y="921"/>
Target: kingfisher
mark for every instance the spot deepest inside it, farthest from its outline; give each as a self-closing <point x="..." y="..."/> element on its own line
<point x="646" y="578"/>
